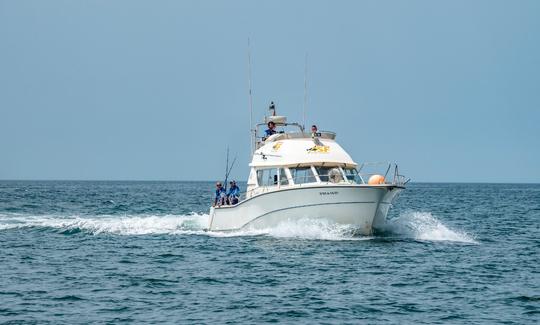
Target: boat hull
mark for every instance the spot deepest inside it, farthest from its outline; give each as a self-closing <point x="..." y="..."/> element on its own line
<point x="361" y="206"/>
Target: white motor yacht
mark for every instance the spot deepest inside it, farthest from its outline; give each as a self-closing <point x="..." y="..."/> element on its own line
<point x="298" y="175"/>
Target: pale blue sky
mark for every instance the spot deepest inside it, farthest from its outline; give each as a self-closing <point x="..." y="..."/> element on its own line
<point x="155" y="90"/>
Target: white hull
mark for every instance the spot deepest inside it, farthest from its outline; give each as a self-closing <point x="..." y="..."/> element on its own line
<point x="361" y="206"/>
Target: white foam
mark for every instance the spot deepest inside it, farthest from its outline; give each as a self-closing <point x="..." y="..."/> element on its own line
<point x="305" y="228"/>
<point x="177" y="224"/>
<point x="122" y="225"/>
<point x="416" y="225"/>
<point x="424" y="226"/>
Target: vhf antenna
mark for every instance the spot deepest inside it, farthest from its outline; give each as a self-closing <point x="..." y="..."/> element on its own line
<point x="252" y="131"/>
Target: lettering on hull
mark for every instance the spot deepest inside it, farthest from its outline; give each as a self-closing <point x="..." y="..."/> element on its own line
<point x="329" y="193"/>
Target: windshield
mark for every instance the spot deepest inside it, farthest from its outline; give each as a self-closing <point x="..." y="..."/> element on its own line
<point x="329" y="174"/>
<point x="352" y="176"/>
<point x="303" y="175"/>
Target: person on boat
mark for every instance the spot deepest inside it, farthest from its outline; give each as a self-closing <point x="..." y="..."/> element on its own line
<point x="233" y="194"/>
<point x="271" y="129"/>
<point x="220" y="197"/>
<point x="315" y="134"/>
<point x="315" y="131"/>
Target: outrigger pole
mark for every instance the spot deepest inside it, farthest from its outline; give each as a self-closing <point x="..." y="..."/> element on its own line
<point x="252" y="131"/>
<point x="305" y="95"/>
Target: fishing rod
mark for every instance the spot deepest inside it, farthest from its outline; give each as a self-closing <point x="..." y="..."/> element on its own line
<point x="227" y="169"/>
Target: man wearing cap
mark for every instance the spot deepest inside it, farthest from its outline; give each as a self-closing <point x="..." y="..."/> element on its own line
<point x="220" y="195"/>
<point x="234" y="193"/>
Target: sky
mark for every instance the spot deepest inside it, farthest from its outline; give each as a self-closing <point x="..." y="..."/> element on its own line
<point x="156" y="90"/>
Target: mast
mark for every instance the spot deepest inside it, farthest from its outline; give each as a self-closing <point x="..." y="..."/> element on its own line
<point x="251" y="130"/>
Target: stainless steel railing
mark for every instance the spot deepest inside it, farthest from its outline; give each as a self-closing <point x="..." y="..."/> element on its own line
<point x="388" y="170"/>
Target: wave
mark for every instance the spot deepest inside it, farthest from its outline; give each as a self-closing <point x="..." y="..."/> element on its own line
<point x="412" y="225"/>
<point x="424" y="226"/>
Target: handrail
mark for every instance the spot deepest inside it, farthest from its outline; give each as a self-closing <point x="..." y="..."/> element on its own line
<point x="397" y="179"/>
<point x="282" y="135"/>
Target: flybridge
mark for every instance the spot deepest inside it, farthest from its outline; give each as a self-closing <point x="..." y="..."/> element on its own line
<point x="285" y="130"/>
<point x="290" y="135"/>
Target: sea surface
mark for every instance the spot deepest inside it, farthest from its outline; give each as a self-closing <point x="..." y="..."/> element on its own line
<point x="111" y="252"/>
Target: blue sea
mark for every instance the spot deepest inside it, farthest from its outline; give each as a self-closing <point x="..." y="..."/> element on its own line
<point x="112" y="252"/>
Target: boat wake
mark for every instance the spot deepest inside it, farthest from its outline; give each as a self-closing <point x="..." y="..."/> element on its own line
<point x="423" y="226"/>
<point x="305" y="228"/>
<point x="415" y="225"/>
<point x="120" y="225"/>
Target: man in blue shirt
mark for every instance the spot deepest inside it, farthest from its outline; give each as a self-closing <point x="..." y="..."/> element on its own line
<point x="220" y="195"/>
<point x="271" y="129"/>
<point x="234" y="193"/>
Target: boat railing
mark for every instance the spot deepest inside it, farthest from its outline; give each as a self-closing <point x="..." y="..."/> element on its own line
<point x="283" y="135"/>
<point x="389" y="171"/>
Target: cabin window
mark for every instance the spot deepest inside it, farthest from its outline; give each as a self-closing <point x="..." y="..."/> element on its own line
<point x="267" y="177"/>
<point x="352" y="175"/>
<point x="283" y="177"/>
<point x="329" y="174"/>
<point x="302" y="175"/>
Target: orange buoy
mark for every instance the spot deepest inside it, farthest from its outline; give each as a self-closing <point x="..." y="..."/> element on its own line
<point x="376" y="179"/>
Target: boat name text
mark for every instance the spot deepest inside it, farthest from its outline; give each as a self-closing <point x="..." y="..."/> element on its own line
<point x="329" y="193"/>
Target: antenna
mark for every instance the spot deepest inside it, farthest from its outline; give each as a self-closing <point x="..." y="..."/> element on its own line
<point x="251" y="130"/>
<point x="305" y="95"/>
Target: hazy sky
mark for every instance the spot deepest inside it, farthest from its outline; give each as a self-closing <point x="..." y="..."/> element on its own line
<point x="155" y="90"/>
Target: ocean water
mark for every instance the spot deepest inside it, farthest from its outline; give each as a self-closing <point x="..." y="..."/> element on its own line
<point x="112" y="252"/>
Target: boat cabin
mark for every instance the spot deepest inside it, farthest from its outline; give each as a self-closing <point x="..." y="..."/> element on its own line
<point x="295" y="158"/>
